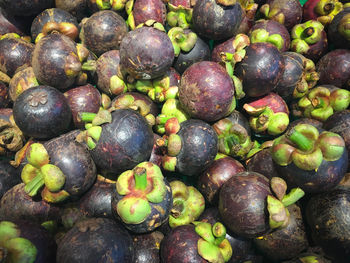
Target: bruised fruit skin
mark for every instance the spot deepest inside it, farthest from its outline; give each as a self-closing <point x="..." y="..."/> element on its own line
<point x="146" y="53"/>
<point x="56" y="61"/>
<point x="103" y="31"/>
<point x="206" y="91"/>
<point x="187" y="206"/>
<point x="83" y="99"/>
<point x="334" y="68"/>
<point x="215" y="21"/>
<point x="261" y="69"/>
<point x="242" y="204"/>
<point x="26" y="7"/>
<point x="54" y="19"/>
<point x="42" y="112"/>
<point x="327" y="217"/>
<point x="313" y="160"/>
<point x="17" y="204"/>
<point x="96" y="240"/>
<point x="142" y="198"/>
<point x="15" y="54"/>
<point x="211" y="180"/>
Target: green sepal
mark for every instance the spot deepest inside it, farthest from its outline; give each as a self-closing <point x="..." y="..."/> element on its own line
<point x="29" y="172"/>
<point x="332" y="145"/>
<point x="209" y="251"/>
<point x="204" y="230"/>
<point x="117" y="85"/>
<point x="226" y="250"/>
<point x="293" y="196"/>
<point x="37" y="155"/>
<point x="278" y="214"/>
<point x="310" y="259"/>
<point x="103" y="4"/>
<point x="8" y="230"/>
<point x="133" y="210"/>
<point x="122" y="184"/>
<point x="20" y="250"/>
<point x="278" y="123"/>
<point x="52" y="197"/>
<point x="307" y="161"/>
<point x="103" y="116"/>
<point x="54" y="178"/>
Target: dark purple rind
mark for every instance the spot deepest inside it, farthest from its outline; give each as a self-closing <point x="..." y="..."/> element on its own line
<point x="26" y="7"/>
<point x="147" y="247"/>
<point x="9" y="177"/>
<point x="262" y="163"/>
<point x="144" y="10"/>
<point x="96" y="240"/>
<point x="334" y="36"/>
<point x="243" y="206"/>
<point x="76" y="7"/>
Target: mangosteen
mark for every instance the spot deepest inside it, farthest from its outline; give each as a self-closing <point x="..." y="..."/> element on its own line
<point x="146" y="53"/>
<point x="327" y="216"/>
<point x="188" y="204"/>
<point x="15" y="54"/>
<point x="268" y="114"/>
<point x="103" y="31"/>
<point x="234" y="135"/>
<point x="11" y="24"/>
<point x="123" y="140"/>
<point x="199" y="242"/>
<point x="26" y="7"/>
<point x="16" y="204"/>
<point x="107" y="73"/>
<point x="339" y="29"/>
<point x="285" y="243"/>
<point x="61" y="166"/>
<point x="287" y="12"/>
<point x="25" y="241"/>
<point x="191" y="146"/>
<point x="21" y="81"/>
<point x="180" y="13"/>
<point x="147" y="247"/>
<point x="272" y="32"/>
<point x="207" y="91"/>
<point x="334" y="68"/>
<point x="211" y="179"/>
<point x="144" y="10"/>
<point x="96" y="240"/>
<point x="313" y="160"/>
<point x="189" y="48"/>
<point x="57" y="60"/>
<point x="54" y="19"/>
<point x="217" y="19"/>
<point x="309" y="39"/>
<point x="83" y="99"/>
<point x="42" y="112"/>
<point x="298" y="78"/>
<point x="260" y="69"/>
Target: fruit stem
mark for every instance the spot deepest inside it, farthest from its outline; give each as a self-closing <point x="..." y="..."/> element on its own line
<point x="89" y="65"/>
<point x="308" y="32"/>
<point x="328" y="7"/>
<point x="178" y="207"/>
<point x="87" y="116"/>
<point x="140" y="175"/>
<point x="293" y="196"/>
<point x="302" y="142"/>
<point x="34" y="185"/>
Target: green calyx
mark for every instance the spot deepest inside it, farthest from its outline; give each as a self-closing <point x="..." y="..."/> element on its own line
<point x="117" y="85"/>
<point x="310" y="259"/>
<point x="277" y="206"/>
<point x="103" y="4"/>
<point x="149" y="23"/>
<point x="170" y="109"/>
<point x="18" y="249"/>
<point x="344" y="27"/>
<point x="306" y="148"/>
<point x="118" y="5"/>
<point x="234" y="140"/>
<point x="327" y="9"/>
<point x="183" y="40"/>
<point x="39" y="173"/>
<point x="310" y="32"/>
<point x="268" y="121"/>
<point x="93" y="127"/>
<point x="188" y="204"/>
<point x="179" y="16"/>
<point x="262" y="36"/>
<point x="140" y="187"/>
<point x="320" y="103"/>
<point x="158" y="90"/>
<point x="213" y="246"/>
<point x="272" y="13"/>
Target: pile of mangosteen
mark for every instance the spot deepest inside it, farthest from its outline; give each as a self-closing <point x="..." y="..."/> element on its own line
<point x="175" y="131"/>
